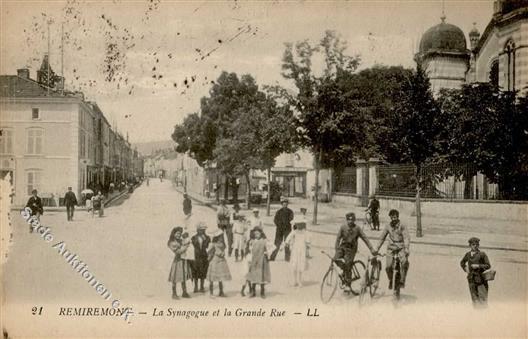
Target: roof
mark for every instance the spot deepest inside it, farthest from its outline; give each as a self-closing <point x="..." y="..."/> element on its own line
<point x="15" y="86"/>
<point x="510" y="14"/>
<point x="443" y="37"/>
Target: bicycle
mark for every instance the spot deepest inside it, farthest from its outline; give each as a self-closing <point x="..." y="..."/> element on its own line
<point x="371" y="278"/>
<point x="333" y="278"/>
<point x="396" y="275"/>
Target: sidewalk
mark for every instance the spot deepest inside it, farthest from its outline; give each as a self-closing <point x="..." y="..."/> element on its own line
<point x="116" y="195"/>
<point x="493" y="234"/>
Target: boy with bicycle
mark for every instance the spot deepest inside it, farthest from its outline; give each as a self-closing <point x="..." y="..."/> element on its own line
<point x="398" y="244"/>
<point x="347" y="243"/>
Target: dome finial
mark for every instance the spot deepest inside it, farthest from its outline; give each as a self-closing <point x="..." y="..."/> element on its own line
<point x="443" y="17"/>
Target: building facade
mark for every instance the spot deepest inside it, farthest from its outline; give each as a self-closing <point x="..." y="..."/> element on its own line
<point x="52" y="139"/>
<point x="499" y="55"/>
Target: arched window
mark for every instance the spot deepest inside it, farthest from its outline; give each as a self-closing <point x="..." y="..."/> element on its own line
<point x="509" y="51"/>
<point x="494" y="73"/>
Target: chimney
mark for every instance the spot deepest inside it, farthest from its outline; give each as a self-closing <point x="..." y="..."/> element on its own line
<point x="23" y="73"/>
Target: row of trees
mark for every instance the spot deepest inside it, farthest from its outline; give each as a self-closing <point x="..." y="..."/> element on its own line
<point x="341" y="115"/>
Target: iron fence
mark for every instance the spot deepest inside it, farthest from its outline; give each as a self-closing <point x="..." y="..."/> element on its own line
<point x="438" y="181"/>
<point x="345" y="181"/>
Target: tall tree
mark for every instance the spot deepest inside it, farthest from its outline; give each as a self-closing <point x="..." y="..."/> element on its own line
<point x="417" y="130"/>
<point x="487" y="128"/>
<point x="205" y="135"/>
<point x="319" y="106"/>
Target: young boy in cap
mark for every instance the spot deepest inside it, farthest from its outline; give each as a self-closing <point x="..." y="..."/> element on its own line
<point x="474" y="263"/>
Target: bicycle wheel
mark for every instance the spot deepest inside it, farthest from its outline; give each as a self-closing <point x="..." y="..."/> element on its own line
<point x="358" y="270"/>
<point x="329" y="285"/>
<point x="397" y="279"/>
<point x="374" y="279"/>
<point x="364" y="286"/>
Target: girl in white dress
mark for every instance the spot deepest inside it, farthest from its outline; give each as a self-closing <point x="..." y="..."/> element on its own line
<point x="299" y="242"/>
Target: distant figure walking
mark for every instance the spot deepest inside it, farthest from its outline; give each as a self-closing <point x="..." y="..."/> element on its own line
<point x="187" y="205"/>
<point x="474" y="263"/>
<point x="70" y="200"/>
<point x="98" y="204"/>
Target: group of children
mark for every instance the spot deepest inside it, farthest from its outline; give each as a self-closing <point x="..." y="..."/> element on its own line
<point x="202" y="257"/>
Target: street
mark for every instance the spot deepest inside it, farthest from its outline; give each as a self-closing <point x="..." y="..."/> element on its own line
<point x="127" y="251"/>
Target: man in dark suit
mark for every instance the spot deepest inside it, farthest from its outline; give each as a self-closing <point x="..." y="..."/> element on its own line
<point x="70" y="200"/>
<point x="35" y="204"/>
<point x="282" y="221"/>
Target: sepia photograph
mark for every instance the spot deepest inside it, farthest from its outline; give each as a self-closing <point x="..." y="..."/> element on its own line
<point x="240" y="169"/>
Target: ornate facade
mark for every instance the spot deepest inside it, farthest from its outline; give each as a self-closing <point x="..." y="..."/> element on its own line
<point x="499" y="55"/>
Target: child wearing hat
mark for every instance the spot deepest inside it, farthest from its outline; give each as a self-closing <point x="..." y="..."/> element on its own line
<point x="179" y="272"/>
<point x="474" y="263"/>
<point x="299" y="243"/>
<point x="218" y="269"/>
<point x="259" y="269"/>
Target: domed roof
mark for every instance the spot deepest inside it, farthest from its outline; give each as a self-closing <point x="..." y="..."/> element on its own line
<point x="443" y="37"/>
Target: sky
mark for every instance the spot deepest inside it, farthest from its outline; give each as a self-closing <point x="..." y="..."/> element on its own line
<point x="147" y="63"/>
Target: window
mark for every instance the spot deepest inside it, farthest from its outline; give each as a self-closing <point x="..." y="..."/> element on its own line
<point x="494" y="73"/>
<point x="35" y="114"/>
<point x="34" y="141"/>
<point x="33" y="180"/>
<point x="6" y="141"/>
<point x="82" y="144"/>
<point x="509" y="50"/>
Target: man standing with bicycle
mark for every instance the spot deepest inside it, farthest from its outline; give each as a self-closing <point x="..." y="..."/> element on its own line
<point x="398" y="244"/>
<point x="346" y="245"/>
<point x="373" y="209"/>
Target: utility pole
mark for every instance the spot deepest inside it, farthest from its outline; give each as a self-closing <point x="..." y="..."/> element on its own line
<point x="49" y="58"/>
<point x="62" y="59"/>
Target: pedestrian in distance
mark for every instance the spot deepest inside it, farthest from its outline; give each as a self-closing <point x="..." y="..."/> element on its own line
<point x="70" y="200"/>
<point x="179" y="272"/>
<point x="218" y="270"/>
<point x="298" y="241"/>
<point x="35" y="204"/>
<point x="474" y="263"/>
<point x="259" y="269"/>
<point x="98" y="204"/>
<point x="398" y="245"/>
<point x="187" y="205"/>
<point x="200" y="264"/>
<point x="282" y="220"/>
